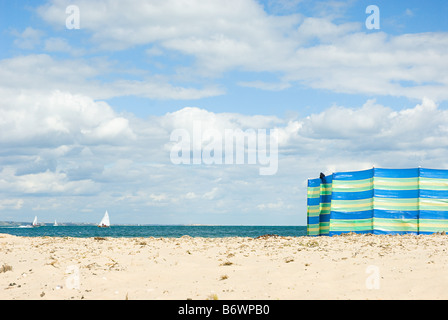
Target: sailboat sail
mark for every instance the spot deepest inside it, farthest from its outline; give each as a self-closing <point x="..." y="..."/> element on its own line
<point x="35" y="222"/>
<point x="105" y="221"/>
<point x="55" y="223"/>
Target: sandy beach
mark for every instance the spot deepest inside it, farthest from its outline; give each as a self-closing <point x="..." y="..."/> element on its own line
<point x="267" y="268"/>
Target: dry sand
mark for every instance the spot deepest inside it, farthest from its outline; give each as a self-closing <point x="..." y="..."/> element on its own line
<point x="343" y="267"/>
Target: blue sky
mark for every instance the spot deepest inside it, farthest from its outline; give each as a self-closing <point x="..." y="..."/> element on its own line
<point x="87" y="113"/>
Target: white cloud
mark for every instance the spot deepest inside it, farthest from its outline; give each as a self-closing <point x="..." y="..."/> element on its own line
<point x="41" y="72"/>
<point x="190" y="195"/>
<point x="211" y="194"/>
<point x="324" y="29"/>
<point x="265" y="85"/>
<point x="221" y="35"/>
<point x="314" y="51"/>
<point x="55" y="44"/>
<point x="359" y="122"/>
<point x="61" y="145"/>
<point x="14" y="204"/>
<point x="158" y="197"/>
<point x="271" y="205"/>
<point x="111" y="130"/>
<point x="58" y="118"/>
<point x="44" y="183"/>
<point x="186" y="118"/>
<point x="408" y="12"/>
<point x="128" y="23"/>
<point x="376" y="64"/>
<point x="28" y="39"/>
<point x="374" y="135"/>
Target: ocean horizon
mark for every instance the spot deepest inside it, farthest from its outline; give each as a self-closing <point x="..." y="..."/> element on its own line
<point x="156" y="231"/>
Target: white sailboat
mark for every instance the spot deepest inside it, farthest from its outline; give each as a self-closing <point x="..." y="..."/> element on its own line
<point x="35" y="224"/>
<point x="105" y="223"/>
<point x="55" y="224"/>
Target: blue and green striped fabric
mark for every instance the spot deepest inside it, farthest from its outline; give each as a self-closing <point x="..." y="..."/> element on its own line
<point x="433" y="201"/>
<point x="313" y="207"/>
<point x="395" y="201"/>
<point x="352" y="202"/>
<point x="325" y="205"/>
<point x="318" y="206"/>
<point x="379" y="201"/>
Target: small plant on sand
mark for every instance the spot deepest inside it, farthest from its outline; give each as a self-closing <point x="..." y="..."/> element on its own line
<point x="212" y="296"/>
<point x="5" y="268"/>
<point x="227" y="263"/>
<point x="224" y="277"/>
<point x="312" y="244"/>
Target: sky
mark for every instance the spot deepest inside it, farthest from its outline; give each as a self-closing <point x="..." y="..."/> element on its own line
<point x="92" y="93"/>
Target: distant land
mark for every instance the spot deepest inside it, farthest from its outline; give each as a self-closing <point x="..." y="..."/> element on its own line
<point x="63" y="224"/>
<point x="16" y="223"/>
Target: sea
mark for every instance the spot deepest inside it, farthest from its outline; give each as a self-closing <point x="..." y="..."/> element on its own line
<point x="164" y="231"/>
